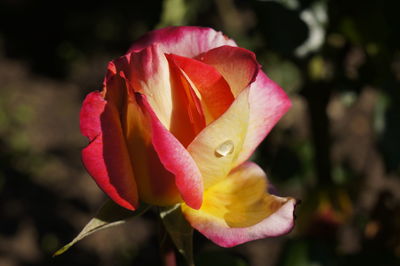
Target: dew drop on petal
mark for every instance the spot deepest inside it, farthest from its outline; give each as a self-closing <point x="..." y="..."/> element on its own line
<point x="225" y="148"/>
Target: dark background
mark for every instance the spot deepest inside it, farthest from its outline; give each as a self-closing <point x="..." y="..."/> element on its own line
<point x="337" y="149"/>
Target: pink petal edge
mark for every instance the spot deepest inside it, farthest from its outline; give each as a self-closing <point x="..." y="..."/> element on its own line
<point x="279" y="223"/>
<point x="188" y="41"/>
<point x="268" y="103"/>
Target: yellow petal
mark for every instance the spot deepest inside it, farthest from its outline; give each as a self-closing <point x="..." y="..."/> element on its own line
<point x="239" y="209"/>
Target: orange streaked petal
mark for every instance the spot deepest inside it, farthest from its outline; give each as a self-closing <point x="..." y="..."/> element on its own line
<point x="188" y="118"/>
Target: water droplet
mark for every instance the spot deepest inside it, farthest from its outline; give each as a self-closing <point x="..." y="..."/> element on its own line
<point x="224" y="149"/>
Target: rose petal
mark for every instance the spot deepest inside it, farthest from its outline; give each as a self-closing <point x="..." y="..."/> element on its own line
<point x="186" y="41"/>
<point x="237" y="65"/>
<point x="217" y="146"/>
<point x="215" y="93"/>
<point x="106" y="157"/>
<point x="176" y="159"/>
<point x="268" y="103"/>
<point x="188" y="114"/>
<point x="238" y="209"/>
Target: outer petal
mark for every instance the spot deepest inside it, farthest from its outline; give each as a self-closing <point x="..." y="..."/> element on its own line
<point x="268" y="103"/>
<point x="215" y="93"/>
<point x="186" y="41"/>
<point x="106" y="157"/>
<point x="216" y="148"/>
<point x="176" y="159"/>
<point x="237" y="65"/>
<point x="238" y="209"/>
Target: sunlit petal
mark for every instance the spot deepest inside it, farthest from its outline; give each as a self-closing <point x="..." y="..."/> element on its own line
<point x="216" y="148"/>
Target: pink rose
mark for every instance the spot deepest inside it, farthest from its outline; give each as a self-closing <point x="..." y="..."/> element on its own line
<point x="177" y="119"/>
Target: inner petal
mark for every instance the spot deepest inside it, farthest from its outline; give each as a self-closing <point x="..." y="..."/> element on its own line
<point x="168" y="91"/>
<point x="214" y="92"/>
<point x="187" y="113"/>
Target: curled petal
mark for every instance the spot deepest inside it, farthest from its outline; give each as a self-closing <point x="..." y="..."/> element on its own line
<point x="238" y="209"/>
<point x="186" y="41"/>
<point x="268" y="103"/>
<point x="106" y="157"/>
<point x="237" y="65"/>
<point x="176" y="159"/>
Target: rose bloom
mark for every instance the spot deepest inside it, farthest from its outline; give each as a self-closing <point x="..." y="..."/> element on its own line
<point x="177" y="119"/>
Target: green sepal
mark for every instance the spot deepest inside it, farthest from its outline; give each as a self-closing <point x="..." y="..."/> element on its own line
<point x="110" y="214"/>
<point x="179" y="230"/>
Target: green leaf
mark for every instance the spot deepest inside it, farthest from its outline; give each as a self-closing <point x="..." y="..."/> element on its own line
<point x="110" y="214"/>
<point x="180" y="231"/>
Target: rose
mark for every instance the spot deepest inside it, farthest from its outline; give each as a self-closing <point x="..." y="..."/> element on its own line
<point x="176" y="121"/>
